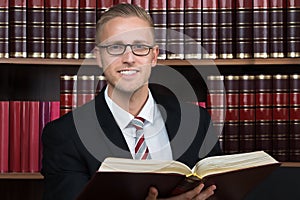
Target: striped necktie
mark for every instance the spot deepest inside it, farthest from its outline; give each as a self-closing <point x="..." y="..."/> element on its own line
<point x="141" y="149"/>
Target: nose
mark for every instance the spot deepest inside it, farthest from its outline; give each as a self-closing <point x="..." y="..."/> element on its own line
<point x="128" y="56"/>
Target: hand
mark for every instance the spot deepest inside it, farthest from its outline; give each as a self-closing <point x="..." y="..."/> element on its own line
<point x="195" y="193"/>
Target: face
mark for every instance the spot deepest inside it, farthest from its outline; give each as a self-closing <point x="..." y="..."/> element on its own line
<point x="127" y="72"/>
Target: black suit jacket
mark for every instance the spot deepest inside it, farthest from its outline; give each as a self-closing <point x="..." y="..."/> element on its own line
<point x="75" y="144"/>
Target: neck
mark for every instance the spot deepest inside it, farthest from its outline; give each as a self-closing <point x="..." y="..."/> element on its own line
<point x="132" y="102"/>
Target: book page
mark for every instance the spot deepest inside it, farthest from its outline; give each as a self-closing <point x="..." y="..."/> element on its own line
<point x="226" y="163"/>
<point x="135" y="166"/>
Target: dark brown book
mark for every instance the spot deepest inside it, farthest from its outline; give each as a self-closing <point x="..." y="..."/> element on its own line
<point x="4" y="29"/>
<point x="261" y="29"/>
<point x="35" y="29"/>
<point x="68" y="93"/>
<point x="158" y="12"/>
<point x="210" y="33"/>
<point x="247" y="113"/>
<point x="192" y="29"/>
<point x="102" y="6"/>
<point x="295" y="139"/>
<point x="293" y="28"/>
<point x="277" y="29"/>
<point x="70" y="29"/>
<point x="134" y="177"/>
<point x="85" y="89"/>
<point x="175" y="26"/>
<point x="226" y="27"/>
<point x="53" y="21"/>
<point x="100" y="82"/>
<point x="87" y="28"/>
<point x="244" y="28"/>
<point x="17" y="29"/>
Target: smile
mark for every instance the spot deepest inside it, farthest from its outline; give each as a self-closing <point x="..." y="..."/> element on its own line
<point x="128" y="72"/>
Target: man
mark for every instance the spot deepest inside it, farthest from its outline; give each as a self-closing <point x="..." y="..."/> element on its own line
<point x="76" y="144"/>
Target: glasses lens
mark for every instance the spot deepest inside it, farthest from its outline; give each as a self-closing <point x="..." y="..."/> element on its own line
<point x="140" y="49"/>
<point x="116" y="49"/>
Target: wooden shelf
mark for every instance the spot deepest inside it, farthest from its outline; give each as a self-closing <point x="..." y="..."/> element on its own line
<point x="77" y="62"/>
<point x="12" y="175"/>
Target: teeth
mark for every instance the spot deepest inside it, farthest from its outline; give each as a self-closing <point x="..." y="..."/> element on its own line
<point x="128" y="72"/>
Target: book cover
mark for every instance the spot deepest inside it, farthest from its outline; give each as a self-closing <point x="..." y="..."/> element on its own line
<point x="100" y="82"/>
<point x="293" y="29"/>
<point x="4" y="136"/>
<point x="87" y="28"/>
<point x="17" y="29"/>
<point x="243" y="28"/>
<point x="35" y="29"/>
<point x="158" y="12"/>
<point x="24" y="135"/>
<point x="85" y="89"/>
<point x="34" y="137"/>
<point x="134" y="177"/>
<point x="4" y="29"/>
<point x="226" y="27"/>
<point x="70" y="29"/>
<point x="68" y="93"/>
<point x="210" y="31"/>
<point x="14" y="136"/>
<point x="53" y="21"/>
<point x="192" y="29"/>
<point x="261" y="29"/>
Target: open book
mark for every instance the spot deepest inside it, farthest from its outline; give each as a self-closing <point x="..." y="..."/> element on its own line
<point x="234" y="175"/>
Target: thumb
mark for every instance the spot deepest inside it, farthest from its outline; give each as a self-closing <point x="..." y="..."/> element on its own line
<point x="152" y="194"/>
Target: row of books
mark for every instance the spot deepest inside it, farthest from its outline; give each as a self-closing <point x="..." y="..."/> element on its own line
<point x="257" y="112"/>
<point x="21" y="124"/>
<point x="184" y="30"/>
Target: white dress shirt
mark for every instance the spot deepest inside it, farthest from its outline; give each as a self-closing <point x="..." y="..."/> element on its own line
<point x="155" y="132"/>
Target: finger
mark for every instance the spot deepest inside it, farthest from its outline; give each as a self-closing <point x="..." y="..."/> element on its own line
<point x="206" y="193"/>
<point x="152" y="194"/>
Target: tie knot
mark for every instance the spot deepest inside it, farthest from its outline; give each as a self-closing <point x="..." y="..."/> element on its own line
<point x="138" y="122"/>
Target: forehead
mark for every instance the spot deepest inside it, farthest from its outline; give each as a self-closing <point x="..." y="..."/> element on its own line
<point x="127" y="30"/>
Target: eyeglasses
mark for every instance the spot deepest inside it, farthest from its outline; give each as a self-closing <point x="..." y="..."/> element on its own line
<point x="119" y="49"/>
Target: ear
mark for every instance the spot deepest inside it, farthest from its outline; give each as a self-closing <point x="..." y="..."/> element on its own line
<point x="97" y="55"/>
<point x="155" y="52"/>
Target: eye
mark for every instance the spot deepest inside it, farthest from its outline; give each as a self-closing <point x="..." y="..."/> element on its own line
<point x="139" y="46"/>
<point x="116" y="47"/>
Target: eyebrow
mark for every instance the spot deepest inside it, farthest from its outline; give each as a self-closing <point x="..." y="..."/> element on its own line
<point x="134" y="42"/>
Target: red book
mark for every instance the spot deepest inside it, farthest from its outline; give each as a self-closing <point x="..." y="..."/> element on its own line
<point x="55" y="110"/>
<point x="35" y="29"/>
<point x="293" y="28"/>
<point x="68" y="93"/>
<point x="261" y="28"/>
<point x="210" y="33"/>
<point x="142" y="3"/>
<point x="14" y="136"/>
<point x="53" y="21"/>
<point x="87" y="28"/>
<point x="226" y="22"/>
<point x="4" y="136"/>
<point x="158" y="12"/>
<point x="44" y="118"/>
<point x="25" y="115"/>
<point x="4" y="29"/>
<point x="192" y="29"/>
<point x="34" y="137"/>
<point x="244" y="28"/>
<point x="17" y="29"/>
<point x="175" y="25"/>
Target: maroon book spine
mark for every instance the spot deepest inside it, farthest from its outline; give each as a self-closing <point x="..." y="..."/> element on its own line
<point x="264" y="113"/>
<point x="244" y="28"/>
<point x="53" y="21"/>
<point x="216" y="104"/>
<point x="4" y="136"/>
<point x="281" y="117"/>
<point x="24" y="136"/>
<point x="34" y="137"/>
<point x="192" y="29"/>
<point x="103" y="5"/>
<point x="4" y="29"/>
<point x="261" y="28"/>
<point x="175" y="25"/>
<point x="35" y="29"/>
<point x="293" y="28"/>
<point x="14" y="136"/>
<point x="295" y="117"/>
<point x="231" y="133"/>
<point x="44" y="113"/>
<point x="210" y="29"/>
<point x="17" y="29"/>
<point x="100" y="82"/>
<point x="226" y="27"/>
<point x="85" y="89"/>
<point x="68" y="93"/>
<point x="247" y="113"/>
<point x="158" y="12"/>
<point x="277" y="29"/>
<point x="70" y="29"/>
<point x="55" y="110"/>
<point x="87" y="28"/>
<point x="142" y="3"/>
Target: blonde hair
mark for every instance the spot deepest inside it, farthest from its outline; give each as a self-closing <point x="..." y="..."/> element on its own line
<point x="122" y="10"/>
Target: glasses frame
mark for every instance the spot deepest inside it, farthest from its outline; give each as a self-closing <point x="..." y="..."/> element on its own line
<point x="125" y="47"/>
